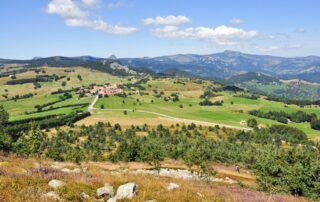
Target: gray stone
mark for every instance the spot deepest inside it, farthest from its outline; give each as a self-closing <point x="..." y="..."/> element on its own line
<point x="126" y="191"/>
<point x="52" y="195"/>
<point x="84" y="196"/>
<point x="173" y="186"/>
<point x="56" y="184"/>
<point x="106" y="190"/>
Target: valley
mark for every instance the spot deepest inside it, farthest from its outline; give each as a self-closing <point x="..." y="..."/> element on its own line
<point x="138" y="125"/>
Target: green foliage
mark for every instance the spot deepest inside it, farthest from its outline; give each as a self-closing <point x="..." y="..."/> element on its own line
<point x="315" y="124"/>
<point x="32" y="142"/>
<point x="282" y="117"/>
<point x="294" y="171"/>
<point x="4" y="117"/>
<point x="252" y="123"/>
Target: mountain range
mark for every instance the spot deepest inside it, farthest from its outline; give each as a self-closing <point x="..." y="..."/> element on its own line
<point x="219" y="65"/>
<point x="229" y="63"/>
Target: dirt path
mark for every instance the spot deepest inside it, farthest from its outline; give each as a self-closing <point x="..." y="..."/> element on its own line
<point x="91" y="106"/>
<point x="206" y="123"/>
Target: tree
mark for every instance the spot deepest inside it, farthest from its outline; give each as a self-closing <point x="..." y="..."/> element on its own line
<point x="101" y="106"/>
<point x="63" y="84"/>
<point x="315" y="124"/>
<point x="79" y="77"/>
<point x="4" y="142"/>
<point x="153" y="153"/>
<point x="252" y="123"/>
<point x="4" y="117"/>
<point x="32" y="143"/>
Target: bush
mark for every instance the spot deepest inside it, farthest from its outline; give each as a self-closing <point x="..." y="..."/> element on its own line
<point x="252" y="123"/>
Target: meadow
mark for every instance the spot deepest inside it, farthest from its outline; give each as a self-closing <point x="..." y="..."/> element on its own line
<point x="234" y="109"/>
<point x="141" y="106"/>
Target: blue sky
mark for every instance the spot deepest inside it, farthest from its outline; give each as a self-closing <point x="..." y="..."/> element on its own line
<point x="137" y="28"/>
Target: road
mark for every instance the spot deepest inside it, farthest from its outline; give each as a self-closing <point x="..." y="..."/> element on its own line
<point x="180" y="119"/>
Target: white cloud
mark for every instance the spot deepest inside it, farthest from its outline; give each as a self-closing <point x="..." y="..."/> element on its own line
<point x="91" y="3"/>
<point x="74" y="16"/>
<point x="101" y="25"/>
<point x="66" y="9"/>
<point x="237" y="21"/>
<point x="222" y="35"/>
<point x="167" y="20"/>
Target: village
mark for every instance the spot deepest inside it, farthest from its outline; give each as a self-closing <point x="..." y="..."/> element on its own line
<point x="104" y="90"/>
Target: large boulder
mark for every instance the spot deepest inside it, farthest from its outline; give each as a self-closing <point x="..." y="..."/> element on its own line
<point x="106" y="190"/>
<point x="56" y="184"/>
<point x="127" y="191"/>
<point x="173" y="186"/>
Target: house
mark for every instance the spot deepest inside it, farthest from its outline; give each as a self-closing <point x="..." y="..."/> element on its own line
<point x="261" y="126"/>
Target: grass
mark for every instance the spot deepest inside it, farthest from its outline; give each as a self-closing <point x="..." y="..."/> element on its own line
<point x="20" y="181"/>
<point x="43" y="95"/>
<point x="230" y="114"/>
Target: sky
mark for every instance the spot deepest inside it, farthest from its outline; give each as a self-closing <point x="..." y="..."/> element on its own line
<point x="138" y="28"/>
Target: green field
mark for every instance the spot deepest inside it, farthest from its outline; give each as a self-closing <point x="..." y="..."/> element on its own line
<point x="189" y="97"/>
<point x="43" y="95"/>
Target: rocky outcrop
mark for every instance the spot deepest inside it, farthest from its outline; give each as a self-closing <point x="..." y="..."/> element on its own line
<point x="179" y="174"/>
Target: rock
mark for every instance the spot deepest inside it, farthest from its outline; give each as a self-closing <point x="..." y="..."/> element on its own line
<point x="84" y="196"/>
<point x="56" y="184"/>
<point x="151" y="200"/>
<point x="52" y="195"/>
<point x="173" y="186"/>
<point x="67" y="170"/>
<point x="127" y="191"/>
<point x="113" y="199"/>
<point x="106" y="190"/>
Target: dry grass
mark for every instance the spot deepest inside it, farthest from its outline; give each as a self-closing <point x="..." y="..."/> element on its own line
<point x="18" y="183"/>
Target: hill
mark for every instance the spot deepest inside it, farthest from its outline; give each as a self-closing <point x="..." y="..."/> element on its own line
<point x="253" y="77"/>
<point x="267" y="85"/>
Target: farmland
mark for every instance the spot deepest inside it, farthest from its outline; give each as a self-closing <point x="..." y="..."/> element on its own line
<point x="141" y="106"/>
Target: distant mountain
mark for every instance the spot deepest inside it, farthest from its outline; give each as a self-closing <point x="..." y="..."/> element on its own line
<point x="111" y="66"/>
<point x="230" y="63"/>
<point x="219" y="65"/>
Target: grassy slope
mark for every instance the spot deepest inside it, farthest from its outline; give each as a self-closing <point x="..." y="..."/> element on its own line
<point x="17" y="109"/>
<point x="189" y="94"/>
<point x="18" y="183"/>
